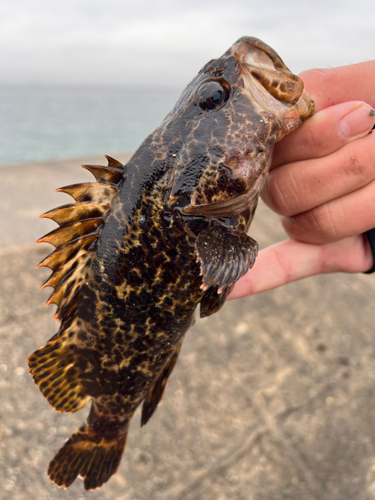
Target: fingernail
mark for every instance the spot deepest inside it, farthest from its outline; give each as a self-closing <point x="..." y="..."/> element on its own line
<point x="358" y="122"/>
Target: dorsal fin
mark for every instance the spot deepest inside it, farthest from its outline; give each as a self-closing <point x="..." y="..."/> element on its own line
<point x="69" y="232"/>
<point x="77" y="211"/>
<point x="108" y="174"/>
<point x="89" y="191"/>
<point x="114" y="163"/>
<point x="80" y="226"/>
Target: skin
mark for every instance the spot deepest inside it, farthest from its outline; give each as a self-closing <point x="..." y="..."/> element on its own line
<point x="322" y="184"/>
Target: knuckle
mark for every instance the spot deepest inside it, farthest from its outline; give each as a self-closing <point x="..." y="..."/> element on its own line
<point x="313" y="141"/>
<point x="274" y="195"/>
<point x="309" y="140"/>
<point x="282" y="197"/>
<point x="321" y="217"/>
<point x="354" y="167"/>
<point x="318" y="225"/>
<point x="295" y="228"/>
<point x="360" y="162"/>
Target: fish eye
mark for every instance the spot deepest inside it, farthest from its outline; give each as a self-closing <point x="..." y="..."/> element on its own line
<point x="212" y="95"/>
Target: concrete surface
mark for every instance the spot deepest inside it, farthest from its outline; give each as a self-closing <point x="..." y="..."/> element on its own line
<point x="272" y="398"/>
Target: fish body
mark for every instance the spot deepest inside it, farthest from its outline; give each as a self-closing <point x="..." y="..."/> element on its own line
<point x="150" y="240"/>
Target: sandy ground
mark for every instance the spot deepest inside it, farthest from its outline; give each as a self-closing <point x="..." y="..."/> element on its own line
<point x="272" y="398"/>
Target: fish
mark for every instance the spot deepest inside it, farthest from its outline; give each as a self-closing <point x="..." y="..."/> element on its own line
<point x="141" y="246"/>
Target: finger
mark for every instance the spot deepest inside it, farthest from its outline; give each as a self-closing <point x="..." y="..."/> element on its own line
<point x="301" y="186"/>
<point x="292" y="260"/>
<point x="325" y="132"/>
<point x="340" y="218"/>
<point x="328" y="87"/>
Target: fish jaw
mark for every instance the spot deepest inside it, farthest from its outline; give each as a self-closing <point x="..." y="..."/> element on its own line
<point x="271" y="86"/>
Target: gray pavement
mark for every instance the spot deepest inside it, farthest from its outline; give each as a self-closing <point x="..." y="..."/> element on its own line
<point x="272" y="398"/>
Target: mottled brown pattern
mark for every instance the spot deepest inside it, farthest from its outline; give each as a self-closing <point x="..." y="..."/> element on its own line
<point x="149" y="241"/>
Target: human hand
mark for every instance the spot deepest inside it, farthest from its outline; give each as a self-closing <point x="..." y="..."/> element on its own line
<point x="322" y="184"/>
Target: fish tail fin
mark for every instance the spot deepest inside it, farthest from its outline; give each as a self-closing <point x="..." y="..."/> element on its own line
<point x="88" y="455"/>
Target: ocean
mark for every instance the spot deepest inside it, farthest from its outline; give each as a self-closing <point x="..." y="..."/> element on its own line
<point x="39" y="123"/>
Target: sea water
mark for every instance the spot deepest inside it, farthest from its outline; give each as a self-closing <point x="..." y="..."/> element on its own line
<point x="39" y="123"/>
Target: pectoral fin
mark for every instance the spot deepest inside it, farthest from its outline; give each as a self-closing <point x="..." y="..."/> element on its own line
<point x="212" y="301"/>
<point x="224" y="256"/>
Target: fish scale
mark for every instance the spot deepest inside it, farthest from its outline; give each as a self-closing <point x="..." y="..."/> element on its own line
<point x="148" y="241"/>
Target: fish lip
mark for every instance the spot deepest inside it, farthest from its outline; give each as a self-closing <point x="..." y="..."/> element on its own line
<point x="251" y="51"/>
<point x="261" y="69"/>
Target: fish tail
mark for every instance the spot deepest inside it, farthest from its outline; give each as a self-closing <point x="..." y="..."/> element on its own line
<point x="88" y="455"/>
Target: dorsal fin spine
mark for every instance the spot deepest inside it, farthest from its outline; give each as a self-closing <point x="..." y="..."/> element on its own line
<point x="72" y="212"/>
<point x="114" y="163"/>
<point x="105" y="174"/>
<point x="89" y="191"/>
<point x="61" y="274"/>
<point x="55" y="258"/>
<point x="63" y="235"/>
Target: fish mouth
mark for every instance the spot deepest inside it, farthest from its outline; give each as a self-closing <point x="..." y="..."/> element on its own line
<point x="270" y="85"/>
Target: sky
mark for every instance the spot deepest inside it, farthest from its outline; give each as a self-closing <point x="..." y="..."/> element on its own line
<point x="164" y="43"/>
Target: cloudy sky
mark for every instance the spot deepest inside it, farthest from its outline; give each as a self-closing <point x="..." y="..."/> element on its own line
<point x="165" y="42"/>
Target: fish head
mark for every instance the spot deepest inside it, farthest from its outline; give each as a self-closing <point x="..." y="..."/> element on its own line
<point x="225" y="125"/>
